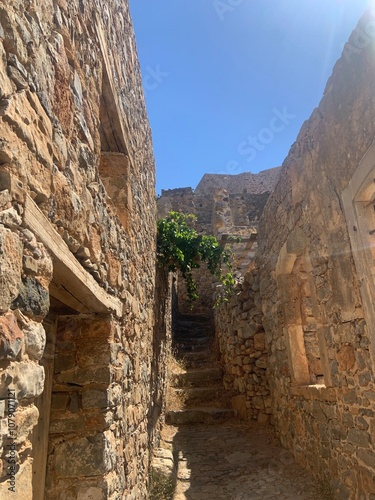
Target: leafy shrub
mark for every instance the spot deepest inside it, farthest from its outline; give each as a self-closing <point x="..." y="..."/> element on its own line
<point x="181" y="248"/>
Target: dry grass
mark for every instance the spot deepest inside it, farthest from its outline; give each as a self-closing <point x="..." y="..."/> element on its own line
<point x="176" y="365"/>
<point x="161" y="486"/>
<point x="174" y="400"/>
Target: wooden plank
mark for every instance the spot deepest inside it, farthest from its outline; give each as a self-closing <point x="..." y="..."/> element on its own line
<point x="59" y="292"/>
<point x="70" y="278"/>
<point x="43" y="403"/>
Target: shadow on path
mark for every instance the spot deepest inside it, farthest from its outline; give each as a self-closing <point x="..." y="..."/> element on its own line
<point x="231" y="461"/>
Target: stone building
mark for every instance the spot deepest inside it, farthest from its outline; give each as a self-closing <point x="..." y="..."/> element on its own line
<point x="82" y="372"/>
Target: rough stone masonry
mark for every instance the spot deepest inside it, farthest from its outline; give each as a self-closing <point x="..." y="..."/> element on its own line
<point x="82" y="374"/>
<point x="315" y="268"/>
<point x="297" y="340"/>
<point x="83" y="325"/>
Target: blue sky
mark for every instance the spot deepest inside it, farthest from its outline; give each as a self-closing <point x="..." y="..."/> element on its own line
<point x="229" y="82"/>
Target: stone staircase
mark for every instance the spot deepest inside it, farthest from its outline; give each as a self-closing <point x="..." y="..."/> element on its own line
<point x="197" y="387"/>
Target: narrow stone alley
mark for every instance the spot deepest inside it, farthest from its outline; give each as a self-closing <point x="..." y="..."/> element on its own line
<point x="217" y="456"/>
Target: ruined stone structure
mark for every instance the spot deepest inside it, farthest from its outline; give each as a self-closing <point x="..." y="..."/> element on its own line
<point x="296" y="341"/>
<point x="82" y="369"/>
<point x="228" y="206"/>
<point x="225" y="206"/>
<point x="85" y="313"/>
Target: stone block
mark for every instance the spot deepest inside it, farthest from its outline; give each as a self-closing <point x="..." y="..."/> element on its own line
<point x="163" y="461"/>
<point x="60" y="400"/>
<point x="369" y="395"/>
<point x="95" y="398"/>
<point x="367" y="479"/>
<point x="258" y="403"/>
<point x="263" y="418"/>
<point x="88" y="375"/>
<point x="23" y="483"/>
<point x="11" y="249"/>
<point x="75" y="402"/>
<point x="35" y="340"/>
<point x="10" y="218"/>
<point x="11" y="337"/>
<point x="346" y="358"/>
<point x="239" y="404"/>
<point x="249" y="330"/>
<point x="26" y="420"/>
<point x="94" y="353"/>
<point x="64" y="362"/>
<point x="337" y="431"/>
<point x="259" y="341"/>
<point x="27" y="379"/>
<point x="318" y="413"/>
<point x="347" y="419"/>
<point x="30" y="265"/>
<point x="359" y="437"/>
<point x="76" y="423"/>
<point x="5" y="198"/>
<point x="262" y="362"/>
<point x="351" y="397"/>
<point x="361" y="423"/>
<point x="330" y="411"/>
<point x="89" y="456"/>
<point x="92" y="493"/>
<point x="365" y="379"/>
<point x="33" y="299"/>
<point x="98" y="329"/>
<point x="367" y="457"/>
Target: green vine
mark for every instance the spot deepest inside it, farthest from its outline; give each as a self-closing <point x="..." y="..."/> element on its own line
<point x="181" y="248"/>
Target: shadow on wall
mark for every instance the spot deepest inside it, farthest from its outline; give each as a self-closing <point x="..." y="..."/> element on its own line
<point x="162" y="348"/>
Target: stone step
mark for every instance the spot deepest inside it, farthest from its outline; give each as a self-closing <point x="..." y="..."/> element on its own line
<point x="199" y="416"/>
<point x="191" y="345"/>
<point x="183" y="349"/>
<point x="195" y="395"/>
<point x="196" y="377"/>
<point x="196" y="359"/>
<point x="193" y="340"/>
<point x="194" y="319"/>
<point x="193" y="334"/>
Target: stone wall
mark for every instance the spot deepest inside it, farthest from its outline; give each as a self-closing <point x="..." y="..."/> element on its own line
<point x="243" y="351"/>
<point x="78" y="326"/>
<point x="316" y="281"/>
<point x="263" y="182"/>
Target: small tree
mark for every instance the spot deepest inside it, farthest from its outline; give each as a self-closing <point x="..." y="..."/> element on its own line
<point x="179" y="247"/>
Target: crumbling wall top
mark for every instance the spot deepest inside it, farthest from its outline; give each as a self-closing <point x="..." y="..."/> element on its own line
<point x="264" y="181"/>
